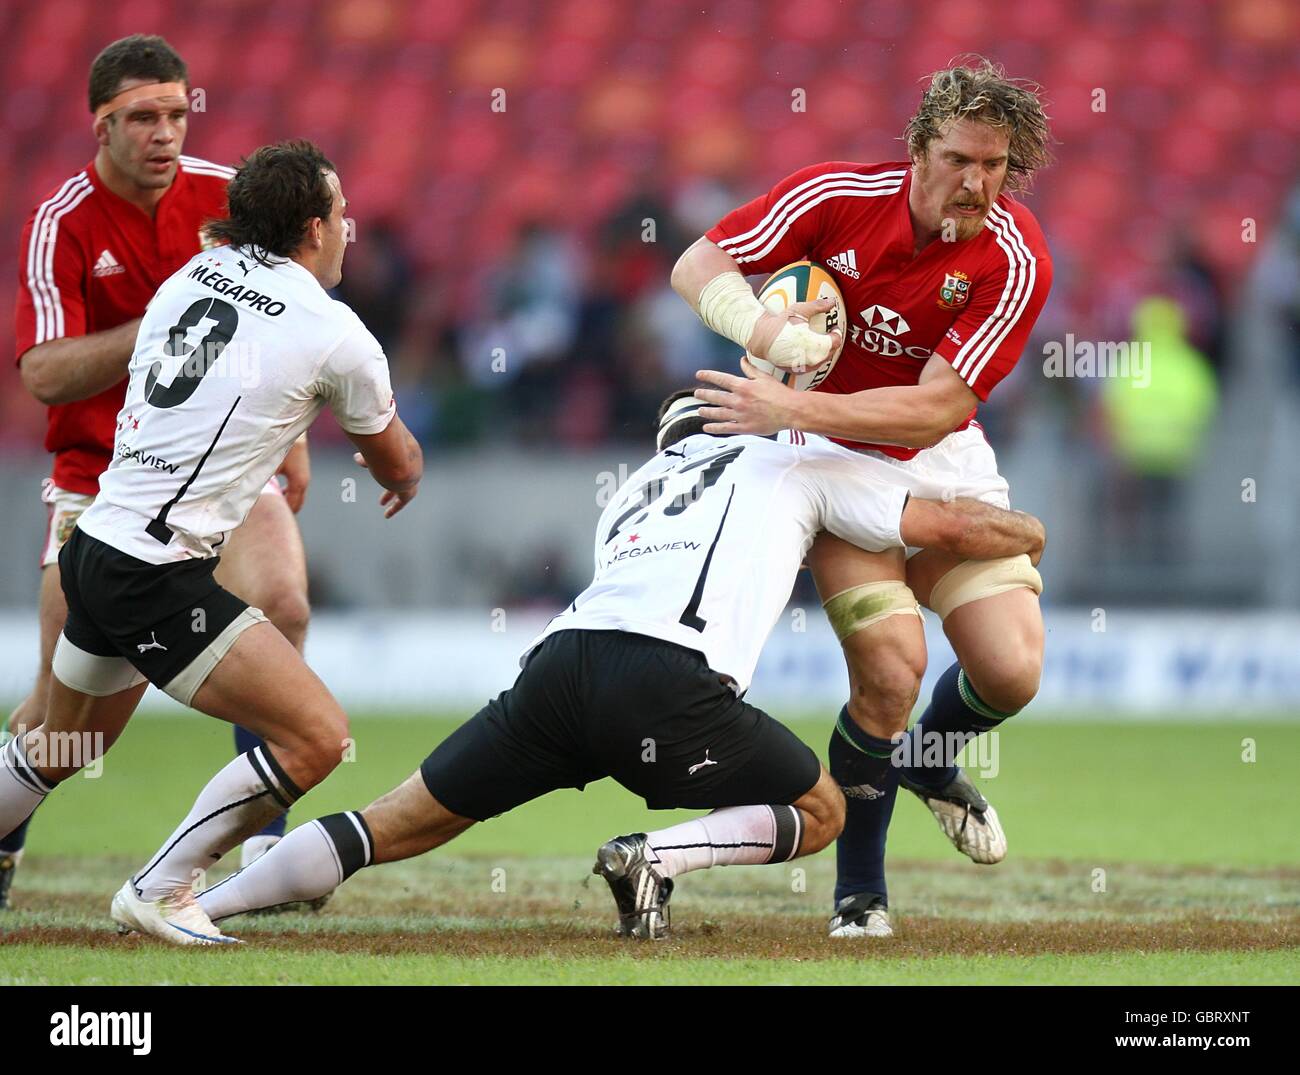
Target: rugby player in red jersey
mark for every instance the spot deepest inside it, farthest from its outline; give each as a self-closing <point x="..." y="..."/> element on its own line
<point x="93" y="253"/>
<point x="943" y="275"/>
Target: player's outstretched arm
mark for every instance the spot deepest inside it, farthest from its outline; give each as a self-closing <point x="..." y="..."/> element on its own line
<point x="913" y="416"/>
<point x="710" y="281"/>
<point x="972" y="529"/>
<point x="395" y="460"/>
<point x="78" y="367"/>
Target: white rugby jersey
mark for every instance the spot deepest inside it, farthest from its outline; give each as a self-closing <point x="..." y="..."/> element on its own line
<point x="234" y="360"/>
<point x="701" y="545"/>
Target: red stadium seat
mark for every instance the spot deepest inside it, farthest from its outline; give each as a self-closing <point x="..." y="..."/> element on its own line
<point x="607" y="101"/>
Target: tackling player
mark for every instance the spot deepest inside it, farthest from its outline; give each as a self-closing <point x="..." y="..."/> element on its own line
<point x="643" y="677"/>
<point x="943" y="274"/>
<point x="92" y="256"/>
<point x="235" y="357"/>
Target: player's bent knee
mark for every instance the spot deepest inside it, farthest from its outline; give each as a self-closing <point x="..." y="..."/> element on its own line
<point x="887" y="660"/>
<point x="1012" y="684"/>
<point x="823" y="810"/>
<point x="329" y="744"/>
<point x="310" y="753"/>
<point x="287" y="607"/>
<point x="310" y="762"/>
<point x="895" y="672"/>
<point x="885" y="680"/>
<point x="832" y="823"/>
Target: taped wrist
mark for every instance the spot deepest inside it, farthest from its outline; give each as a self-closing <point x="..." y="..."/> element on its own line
<point x="799" y="348"/>
<point x="729" y="306"/>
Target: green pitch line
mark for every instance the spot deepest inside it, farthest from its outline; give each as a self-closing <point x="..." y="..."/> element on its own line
<point x="39" y="965"/>
<point x="1095" y="794"/>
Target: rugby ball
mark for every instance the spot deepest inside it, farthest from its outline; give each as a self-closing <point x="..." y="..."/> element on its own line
<point x="802" y="281"/>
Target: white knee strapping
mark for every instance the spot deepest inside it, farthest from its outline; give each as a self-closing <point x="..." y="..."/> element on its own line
<point x="90" y="673"/>
<point x="858" y="607"/>
<point x="973" y="580"/>
<point x="186" y="683"/>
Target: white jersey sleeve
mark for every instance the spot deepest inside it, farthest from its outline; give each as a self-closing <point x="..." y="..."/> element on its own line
<point x="354" y="382"/>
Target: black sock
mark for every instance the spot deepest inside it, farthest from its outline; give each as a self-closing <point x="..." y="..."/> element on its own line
<point x="863" y="767"/>
<point x="955" y="716"/>
<point x="17" y="839"/>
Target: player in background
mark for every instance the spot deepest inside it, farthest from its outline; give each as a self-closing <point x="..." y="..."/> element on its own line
<point x="943" y="275"/>
<point x="695" y="559"/>
<point x="92" y="256"/>
<point x="235" y="357"/>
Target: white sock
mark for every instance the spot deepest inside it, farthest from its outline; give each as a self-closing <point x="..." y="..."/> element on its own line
<point x="22" y="788"/>
<point x="249" y="792"/>
<point x="312" y="860"/>
<point x="254" y="848"/>
<point x="734" y="836"/>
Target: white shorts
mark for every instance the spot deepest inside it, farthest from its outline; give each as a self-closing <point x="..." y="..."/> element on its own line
<point x="66" y="508"/>
<point x="962" y="464"/>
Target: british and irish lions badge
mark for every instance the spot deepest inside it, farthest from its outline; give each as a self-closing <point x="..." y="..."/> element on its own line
<point x="955" y="289"/>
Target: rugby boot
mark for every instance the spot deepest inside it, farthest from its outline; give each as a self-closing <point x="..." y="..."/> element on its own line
<point x="863" y="915"/>
<point x="639" y="892"/>
<point x="965" y="816"/>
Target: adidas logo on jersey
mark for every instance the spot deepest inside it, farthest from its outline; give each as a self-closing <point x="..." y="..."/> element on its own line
<point x="107" y="265"/>
<point x="845" y="263"/>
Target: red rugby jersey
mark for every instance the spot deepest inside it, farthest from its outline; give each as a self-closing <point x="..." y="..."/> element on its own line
<point x="973" y="302"/>
<point x="90" y="261"/>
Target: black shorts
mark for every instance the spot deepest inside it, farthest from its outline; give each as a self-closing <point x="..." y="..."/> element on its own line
<point x="652" y="715"/>
<point x="162" y="618"/>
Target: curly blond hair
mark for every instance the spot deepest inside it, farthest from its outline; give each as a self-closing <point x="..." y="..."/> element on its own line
<point x="978" y="89"/>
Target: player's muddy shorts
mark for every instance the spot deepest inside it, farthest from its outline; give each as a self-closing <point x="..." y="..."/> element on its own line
<point x="650" y="714"/>
<point x="65" y="508"/>
<point x="129" y="620"/>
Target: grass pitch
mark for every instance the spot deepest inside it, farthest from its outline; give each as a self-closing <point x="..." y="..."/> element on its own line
<point x="1140" y="853"/>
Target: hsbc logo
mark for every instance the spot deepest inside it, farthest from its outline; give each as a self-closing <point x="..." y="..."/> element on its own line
<point x="880" y="336"/>
<point x="885" y="319"/>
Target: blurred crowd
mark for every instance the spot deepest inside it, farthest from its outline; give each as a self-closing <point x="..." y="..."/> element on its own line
<point x="523" y="176"/>
<point x="568" y="345"/>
